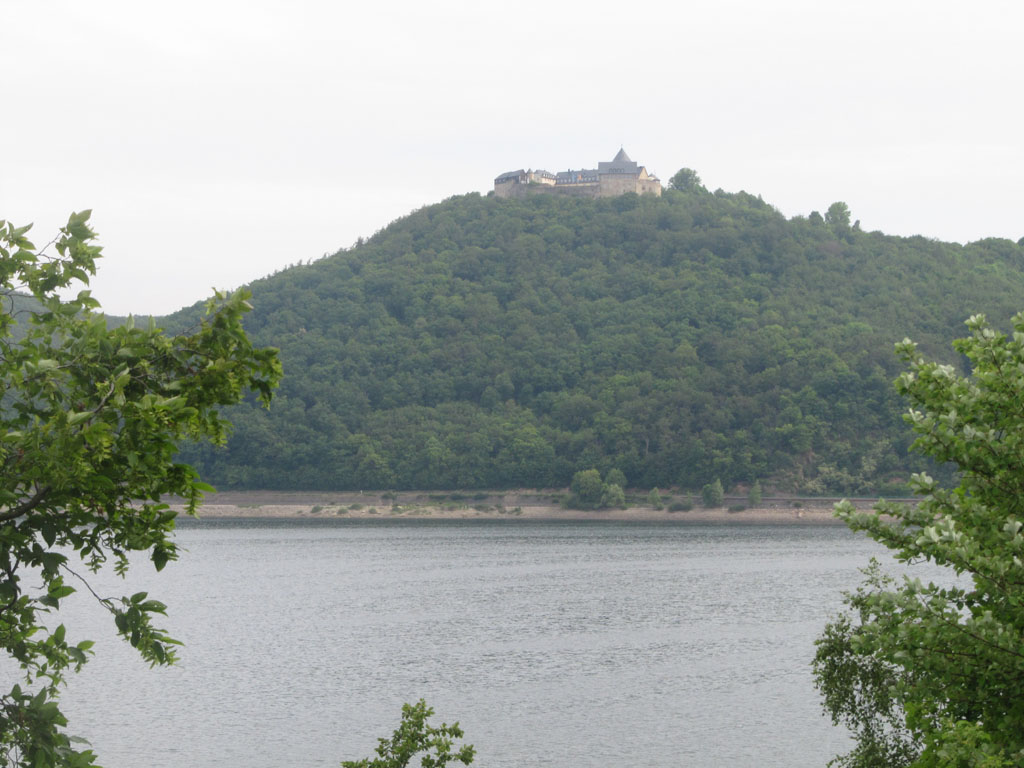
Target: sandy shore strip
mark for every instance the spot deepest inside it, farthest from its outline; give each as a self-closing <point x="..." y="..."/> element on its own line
<point x="497" y="505"/>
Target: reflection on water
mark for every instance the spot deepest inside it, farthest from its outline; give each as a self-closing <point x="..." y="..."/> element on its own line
<point x="577" y="644"/>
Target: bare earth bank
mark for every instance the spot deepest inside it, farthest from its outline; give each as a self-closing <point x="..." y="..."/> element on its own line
<point x="497" y="505"/>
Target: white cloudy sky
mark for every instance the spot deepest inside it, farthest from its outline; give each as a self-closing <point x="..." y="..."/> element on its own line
<point x="218" y="141"/>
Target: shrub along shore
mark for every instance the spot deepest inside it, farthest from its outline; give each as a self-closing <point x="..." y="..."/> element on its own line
<point x="510" y="505"/>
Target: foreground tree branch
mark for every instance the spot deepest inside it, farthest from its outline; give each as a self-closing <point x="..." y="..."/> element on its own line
<point x="91" y="422"/>
<point x="926" y="675"/>
<point x="434" y="745"/>
<point x="25" y="506"/>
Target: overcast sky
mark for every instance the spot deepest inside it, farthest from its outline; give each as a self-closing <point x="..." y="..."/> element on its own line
<point x="219" y="141"/>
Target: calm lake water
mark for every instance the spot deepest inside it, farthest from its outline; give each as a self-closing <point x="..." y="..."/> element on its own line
<point x="577" y="644"/>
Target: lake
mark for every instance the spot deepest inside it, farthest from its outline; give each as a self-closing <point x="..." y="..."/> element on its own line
<point x="580" y="644"/>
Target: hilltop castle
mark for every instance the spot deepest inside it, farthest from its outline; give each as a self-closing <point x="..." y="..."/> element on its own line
<point x="618" y="177"/>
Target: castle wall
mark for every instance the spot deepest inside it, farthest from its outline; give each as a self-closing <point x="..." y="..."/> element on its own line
<point x="511" y="183"/>
<point x="506" y="188"/>
<point x="615" y="184"/>
<point x="585" y="189"/>
<point x="648" y="187"/>
<point x="569" y="190"/>
<point x="609" y="186"/>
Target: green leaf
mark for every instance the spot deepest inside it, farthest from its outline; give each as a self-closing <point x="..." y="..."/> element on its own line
<point x="160" y="558"/>
<point x="49" y="529"/>
<point x="78" y="417"/>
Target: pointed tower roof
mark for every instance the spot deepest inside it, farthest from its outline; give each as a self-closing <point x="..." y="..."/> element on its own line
<point x="621" y="164"/>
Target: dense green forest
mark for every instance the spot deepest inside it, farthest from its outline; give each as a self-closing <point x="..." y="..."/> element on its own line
<point x="485" y="342"/>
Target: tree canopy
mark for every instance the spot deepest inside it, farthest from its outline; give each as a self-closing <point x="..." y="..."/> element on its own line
<point x="496" y="343"/>
<point x="685" y="179"/>
<point x="932" y="674"/>
<point x="91" y="421"/>
<point x="838" y="217"/>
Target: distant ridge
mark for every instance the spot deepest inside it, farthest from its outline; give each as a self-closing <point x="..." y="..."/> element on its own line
<point x="500" y="343"/>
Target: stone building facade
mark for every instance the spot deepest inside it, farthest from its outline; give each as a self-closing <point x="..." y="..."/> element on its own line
<point x="617" y="177"/>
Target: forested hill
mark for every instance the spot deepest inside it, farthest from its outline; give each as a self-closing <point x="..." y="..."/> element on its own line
<point x="505" y="343"/>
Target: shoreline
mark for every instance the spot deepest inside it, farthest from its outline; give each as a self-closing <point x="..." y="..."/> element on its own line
<point x="534" y="505"/>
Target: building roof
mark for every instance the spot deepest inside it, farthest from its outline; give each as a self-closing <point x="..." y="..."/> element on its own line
<point x="582" y="176"/>
<point x="511" y="175"/>
<point x="621" y="164"/>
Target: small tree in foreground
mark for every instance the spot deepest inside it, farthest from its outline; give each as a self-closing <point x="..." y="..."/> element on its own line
<point x="654" y="499"/>
<point x="613" y="496"/>
<point x="90" y="422"/>
<point x="929" y="675"/>
<point x="754" y="496"/>
<point x="712" y="494"/>
<point x="413" y="736"/>
<point x="586" y="489"/>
